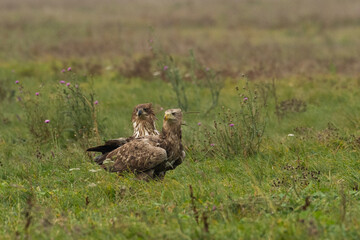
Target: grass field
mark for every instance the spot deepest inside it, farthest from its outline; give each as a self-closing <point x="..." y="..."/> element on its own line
<point x="289" y="66"/>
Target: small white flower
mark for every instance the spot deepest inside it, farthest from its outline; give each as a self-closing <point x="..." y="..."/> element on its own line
<point x="156" y="73"/>
<point x="291" y="135"/>
<point x="74" y="169"/>
<point x="108" y="161"/>
<point x="94" y="170"/>
<point x="92" y="185"/>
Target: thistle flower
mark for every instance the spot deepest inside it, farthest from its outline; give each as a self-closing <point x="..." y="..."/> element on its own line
<point x="245" y="99"/>
<point x="68" y="84"/>
<point x="62" y="82"/>
<point x="63" y="70"/>
<point x="231" y="125"/>
<point x="199" y="123"/>
<point x="96" y="102"/>
<point x="47" y="121"/>
<point x="37" y="93"/>
<point x="17" y="81"/>
<point x="69" y="69"/>
<point x="166" y="68"/>
<point x="212" y="144"/>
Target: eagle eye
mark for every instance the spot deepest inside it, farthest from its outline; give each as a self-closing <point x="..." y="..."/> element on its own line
<point x="146" y="109"/>
<point x="173" y="113"/>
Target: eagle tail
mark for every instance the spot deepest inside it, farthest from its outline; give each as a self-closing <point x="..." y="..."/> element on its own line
<point x="109" y="146"/>
<point x="103" y="148"/>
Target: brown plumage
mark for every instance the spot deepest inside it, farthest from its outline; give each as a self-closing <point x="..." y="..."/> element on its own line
<point x="151" y="156"/>
<point x="143" y="120"/>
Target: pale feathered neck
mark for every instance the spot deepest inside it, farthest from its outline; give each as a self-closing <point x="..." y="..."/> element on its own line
<point x="144" y="128"/>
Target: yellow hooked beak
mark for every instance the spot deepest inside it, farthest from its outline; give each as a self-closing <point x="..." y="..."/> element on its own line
<point x="168" y="116"/>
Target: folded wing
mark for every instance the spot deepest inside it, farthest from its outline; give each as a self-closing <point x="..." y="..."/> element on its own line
<point x="138" y="155"/>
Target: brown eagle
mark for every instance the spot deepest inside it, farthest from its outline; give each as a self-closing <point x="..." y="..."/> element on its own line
<point x="151" y="156"/>
<point x="143" y="120"/>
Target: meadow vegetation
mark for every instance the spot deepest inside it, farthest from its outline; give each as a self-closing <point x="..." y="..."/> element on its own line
<point x="270" y="91"/>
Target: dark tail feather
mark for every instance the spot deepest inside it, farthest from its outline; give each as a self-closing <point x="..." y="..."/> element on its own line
<point x="109" y="146"/>
<point x="103" y="148"/>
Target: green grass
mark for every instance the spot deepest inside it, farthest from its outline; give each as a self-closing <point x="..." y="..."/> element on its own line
<point x="52" y="189"/>
<point x="237" y="195"/>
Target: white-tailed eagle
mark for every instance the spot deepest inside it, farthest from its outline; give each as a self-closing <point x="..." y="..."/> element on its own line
<point x="151" y="156"/>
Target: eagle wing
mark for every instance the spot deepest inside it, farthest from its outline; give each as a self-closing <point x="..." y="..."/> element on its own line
<point x="138" y="155"/>
<point x="109" y="145"/>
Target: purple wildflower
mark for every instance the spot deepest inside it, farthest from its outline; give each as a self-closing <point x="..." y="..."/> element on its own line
<point x="17" y="81"/>
<point x="166" y="68"/>
<point x="214" y="208"/>
<point x="63" y="70"/>
<point x="231" y="125"/>
<point x="69" y="69"/>
<point x="62" y="82"/>
<point x="68" y="84"/>
<point x="245" y="99"/>
<point x="199" y="123"/>
<point x="47" y="121"/>
<point x="96" y="102"/>
<point x="37" y="93"/>
<point x="212" y="144"/>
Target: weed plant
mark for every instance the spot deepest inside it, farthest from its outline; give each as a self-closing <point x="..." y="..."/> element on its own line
<point x="60" y="111"/>
<point x="43" y="116"/>
<point x="204" y="77"/>
<point x="238" y="132"/>
<point x="172" y="74"/>
<point x="81" y="112"/>
<point x="200" y="77"/>
<point x="290" y="106"/>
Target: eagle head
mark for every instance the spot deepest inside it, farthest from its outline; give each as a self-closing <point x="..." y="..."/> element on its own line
<point x="143" y="112"/>
<point x="143" y="119"/>
<point x="173" y="116"/>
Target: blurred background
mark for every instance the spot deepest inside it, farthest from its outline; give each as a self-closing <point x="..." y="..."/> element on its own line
<point x="261" y="38"/>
